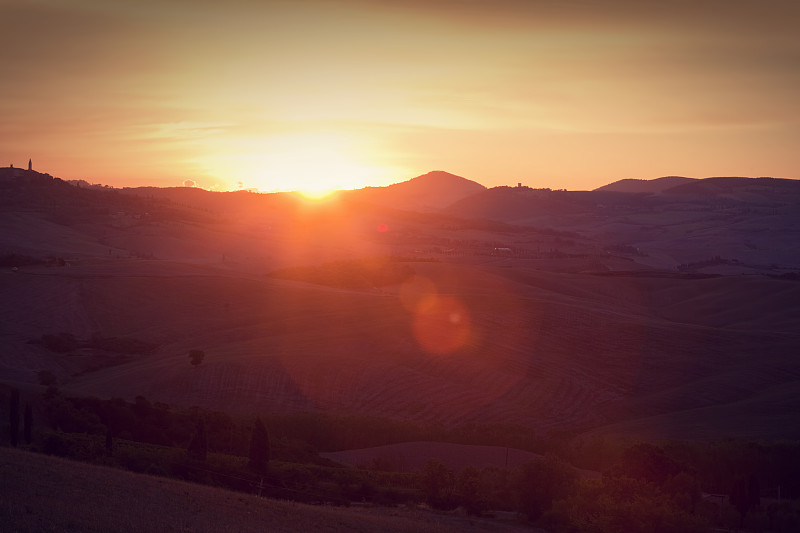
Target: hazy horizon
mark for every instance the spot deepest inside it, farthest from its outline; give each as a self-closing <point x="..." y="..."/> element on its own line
<point x="319" y="194"/>
<point x="336" y="95"/>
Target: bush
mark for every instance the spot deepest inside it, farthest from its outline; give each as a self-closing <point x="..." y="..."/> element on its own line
<point x="196" y="357"/>
<point x="541" y="482"/>
<point x="438" y="484"/>
<point x="55" y="444"/>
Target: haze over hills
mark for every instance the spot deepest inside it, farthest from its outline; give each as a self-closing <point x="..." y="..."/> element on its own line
<point x="742" y="225"/>
<point x="654" y="185"/>
<point x="431" y="191"/>
<point x="667" y="313"/>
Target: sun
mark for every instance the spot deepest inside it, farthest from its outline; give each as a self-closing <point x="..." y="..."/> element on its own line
<point x="312" y="164"/>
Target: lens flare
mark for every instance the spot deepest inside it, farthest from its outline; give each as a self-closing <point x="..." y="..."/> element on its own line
<point x="441" y="324"/>
<point x="414" y="291"/>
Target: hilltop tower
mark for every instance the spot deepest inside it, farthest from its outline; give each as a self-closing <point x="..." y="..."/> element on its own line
<point x="30" y="165"/>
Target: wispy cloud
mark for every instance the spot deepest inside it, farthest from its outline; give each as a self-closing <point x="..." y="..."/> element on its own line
<point x="179" y="131"/>
<point x="164" y="84"/>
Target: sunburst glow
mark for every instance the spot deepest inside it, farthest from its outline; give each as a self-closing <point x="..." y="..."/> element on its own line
<point x="312" y="164"/>
<point x="317" y="94"/>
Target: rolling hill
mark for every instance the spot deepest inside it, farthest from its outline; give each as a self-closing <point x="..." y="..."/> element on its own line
<point x="748" y="225"/>
<point x="572" y="318"/>
<point x="647" y="186"/>
<point x="427" y="192"/>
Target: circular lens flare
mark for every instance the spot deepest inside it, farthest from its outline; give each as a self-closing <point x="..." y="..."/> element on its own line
<point x="441" y="324"/>
<point x="413" y="291"/>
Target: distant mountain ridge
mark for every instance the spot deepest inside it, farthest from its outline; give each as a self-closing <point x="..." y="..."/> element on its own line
<point x="642" y="185"/>
<point x="432" y="191"/>
<point x="730" y="185"/>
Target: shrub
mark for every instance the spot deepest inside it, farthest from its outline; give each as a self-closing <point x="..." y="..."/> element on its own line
<point x="55" y="444"/>
<point x="541" y="482"/>
<point x="196" y="357"/>
<point x="438" y="484"/>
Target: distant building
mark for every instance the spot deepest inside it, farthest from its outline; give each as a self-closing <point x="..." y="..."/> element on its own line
<point x="30" y="165"/>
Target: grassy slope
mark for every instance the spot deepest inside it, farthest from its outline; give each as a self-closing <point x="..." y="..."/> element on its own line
<point x="41" y="494"/>
<point x="547" y="350"/>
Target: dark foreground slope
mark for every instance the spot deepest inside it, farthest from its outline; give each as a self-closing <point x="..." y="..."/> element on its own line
<point x="41" y="493"/>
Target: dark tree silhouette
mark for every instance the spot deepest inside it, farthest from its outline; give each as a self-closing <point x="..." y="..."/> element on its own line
<point x="109" y="443"/>
<point x="745" y="495"/>
<point x="541" y="482"/>
<point x="467" y="490"/>
<point x="196" y="356"/>
<point x="198" y="448"/>
<point x="437" y="483"/>
<point x="648" y="462"/>
<point x="27" y="423"/>
<point x="259" y="448"/>
<point x="13" y="417"/>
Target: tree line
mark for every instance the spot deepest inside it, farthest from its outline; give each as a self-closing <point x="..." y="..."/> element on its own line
<point x="643" y="486"/>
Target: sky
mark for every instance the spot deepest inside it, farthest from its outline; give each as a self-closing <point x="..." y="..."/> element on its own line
<point x="321" y="94"/>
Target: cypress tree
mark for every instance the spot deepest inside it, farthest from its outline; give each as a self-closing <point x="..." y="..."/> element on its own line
<point x="13" y="417"/>
<point x="198" y="448"/>
<point x="259" y="448"/>
<point x="745" y="495"/>
<point x="109" y="443"/>
<point x="196" y="357"/>
<point x="27" y="423"/>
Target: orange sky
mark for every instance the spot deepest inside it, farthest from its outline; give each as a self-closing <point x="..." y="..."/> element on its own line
<point x="298" y="94"/>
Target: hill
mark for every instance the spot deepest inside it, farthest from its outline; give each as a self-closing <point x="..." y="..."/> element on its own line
<point x="649" y="186"/>
<point x="581" y="312"/>
<point x="41" y="493"/>
<point x="746" y="225"/>
<point x="548" y="351"/>
<point x="431" y="191"/>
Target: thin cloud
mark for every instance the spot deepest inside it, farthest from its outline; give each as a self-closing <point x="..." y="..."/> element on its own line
<point x="179" y="130"/>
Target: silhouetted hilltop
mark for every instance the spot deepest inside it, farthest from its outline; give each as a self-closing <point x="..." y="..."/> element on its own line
<point x="428" y="192"/>
<point x="521" y="204"/>
<point x="219" y="202"/>
<point x="771" y="189"/>
<point x="9" y="176"/>
<point x="651" y="186"/>
<point x="516" y="203"/>
<point x="32" y="189"/>
<point x="431" y="191"/>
